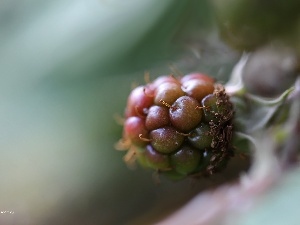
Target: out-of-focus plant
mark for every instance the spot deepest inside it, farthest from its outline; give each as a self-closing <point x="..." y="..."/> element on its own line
<point x="67" y="66"/>
<point x="264" y="87"/>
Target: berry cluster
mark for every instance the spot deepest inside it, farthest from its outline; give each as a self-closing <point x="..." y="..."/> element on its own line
<point x="179" y="127"/>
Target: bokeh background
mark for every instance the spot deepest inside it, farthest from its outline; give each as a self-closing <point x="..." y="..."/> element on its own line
<point x="66" y="68"/>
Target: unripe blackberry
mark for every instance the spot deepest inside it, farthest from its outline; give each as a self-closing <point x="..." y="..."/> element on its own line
<point x="197" y="76"/>
<point x="186" y="160"/>
<point x="156" y="160"/>
<point x="168" y="92"/>
<point x="179" y="127"/>
<point x="200" y="137"/>
<point x="163" y="80"/>
<point x="157" y="117"/>
<point x="217" y="107"/>
<point x="198" y="89"/>
<point x="133" y="128"/>
<point x="139" y="101"/>
<point x="184" y="114"/>
<point x="166" y="139"/>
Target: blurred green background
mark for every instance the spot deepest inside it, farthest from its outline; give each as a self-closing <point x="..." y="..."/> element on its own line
<point x="66" y="68"/>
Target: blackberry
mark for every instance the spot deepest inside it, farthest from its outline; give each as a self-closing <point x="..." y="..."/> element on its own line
<point x="184" y="114"/>
<point x="168" y="92"/>
<point x="185" y="160"/>
<point x="157" y="117"/>
<point x="201" y="137"/>
<point x="179" y="127"/>
<point x="155" y="160"/>
<point x="166" y="139"/>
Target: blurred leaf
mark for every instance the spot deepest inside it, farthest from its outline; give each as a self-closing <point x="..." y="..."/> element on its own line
<point x="279" y="206"/>
<point x="249" y="24"/>
<point x="258" y="111"/>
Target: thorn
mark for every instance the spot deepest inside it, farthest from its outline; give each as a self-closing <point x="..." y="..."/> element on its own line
<point x="144" y="139"/>
<point x="134" y="85"/>
<point x="147" y="77"/>
<point x="172" y="75"/>
<point x="130" y="158"/>
<point x="119" y="119"/>
<point x="175" y="79"/>
<point x="123" y="144"/>
<point x="175" y="70"/>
